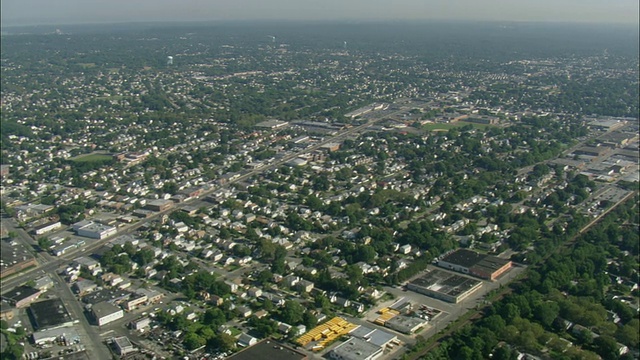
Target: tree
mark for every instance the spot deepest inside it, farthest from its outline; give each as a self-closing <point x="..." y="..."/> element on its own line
<point x="224" y="342"/>
<point x="309" y="320"/>
<point x="292" y="312"/>
<point x="13" y="352"/>
<point x="546" y="312"/>
<point x="193" y="341"/>
<point x="606" y="347"/>
<point x="264" y="277"/>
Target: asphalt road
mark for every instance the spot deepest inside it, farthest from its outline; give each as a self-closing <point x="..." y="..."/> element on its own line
<point x="89" y="334"/>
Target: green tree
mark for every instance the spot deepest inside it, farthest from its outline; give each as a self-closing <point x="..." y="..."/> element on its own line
<point x="292" y="312"/>
<point x="193" y="341"/>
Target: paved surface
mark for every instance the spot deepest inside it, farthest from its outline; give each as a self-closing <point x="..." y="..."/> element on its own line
<point x="89" y="336"/>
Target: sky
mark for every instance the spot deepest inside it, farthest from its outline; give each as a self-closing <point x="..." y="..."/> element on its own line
<point x="33" y="12"/>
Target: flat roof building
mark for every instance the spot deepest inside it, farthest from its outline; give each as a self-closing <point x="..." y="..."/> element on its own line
<point x="14" y="257"/>
<point x="50" y="314"/>
<point x="272" y="124"/>
<point x="268" y="350"/>
<point x="67" y="334"/>
<point x="21" y="296"/>
<point x="45" y="228"/>
<point x="159" y="205"/>
<point x="356" y="349"/>
<point x="444" y="286"/>
<point x="122" y="345"/>
<point x="105" y="313"/>
<point x="405" y="324"/>
<point x="470" y="262"/>
<point x="96" y="231"/>
<point x="375" y="336"/>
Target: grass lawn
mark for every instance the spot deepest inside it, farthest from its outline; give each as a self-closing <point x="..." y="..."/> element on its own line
<point x="93" y="157"/>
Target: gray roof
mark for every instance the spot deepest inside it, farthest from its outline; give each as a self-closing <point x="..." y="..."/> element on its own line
<point x="356" y="349"/>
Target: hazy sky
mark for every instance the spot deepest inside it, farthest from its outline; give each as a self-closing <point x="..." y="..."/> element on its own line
<point x="26" y="12"/>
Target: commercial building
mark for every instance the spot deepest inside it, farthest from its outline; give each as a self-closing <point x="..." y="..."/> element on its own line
<point x="377" y="337"/>
<point x="22" y="296"/>
<point x="153" y="296"/>
<point x="444" y="286"/>
<point x="136" y="301"/>
<point x="272" y="124"/>
<point x="356" y="349"/>
<point x="105" y="313"/>
<point x="96" y="231"/>
<point x="49" y="314"/>
<point x="141" y="324"/>
<point x="122" y="345"/>
<point x="405" y="324"/>
<point x="67" y="335"/>
<point x="470" y="262"/>
<point x="14" y="257"/>
<point x="159" y="205"/>
<point x="43" y="229"/>
<point x="268" y="350"/>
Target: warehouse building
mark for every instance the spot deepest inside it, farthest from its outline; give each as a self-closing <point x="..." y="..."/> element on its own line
<point x="105" y="313"/>
<point x="267" y="350"/>
<point x="470" y="262"/>
<point x="21" y="296"/>
<point x="122" y="345"/>
<point x="356" y="349"/>
<point x="49" y="314"/>
<point x="159" y="205"/>
<point x="405" y="324"/>
<point x="444" y="286"/>
<point x="67" y="335"/>
<point x="96" y="231"/>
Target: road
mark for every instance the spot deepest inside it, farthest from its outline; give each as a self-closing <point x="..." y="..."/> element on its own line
<point x="89" y="334"/>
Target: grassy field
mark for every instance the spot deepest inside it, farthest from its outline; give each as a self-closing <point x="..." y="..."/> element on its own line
<point x="93" y="157"/>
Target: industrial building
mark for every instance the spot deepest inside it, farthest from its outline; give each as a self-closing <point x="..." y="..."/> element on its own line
<point x="267" y="350"/>
<point x="470" y="262"/>
<point x="68" y="335"/>
<point x="45" y="228"/>
<point x="49" y="314"/>
<point x="405" y="324"/>
<point x="122" y="345"/>
<point x="356" y="349"/>
<point x="159" y="205"/>
<point x="96" y="231"/>
<point x="444" y="286"/>
<point x="14" y="257"/>
<point x="272" y="124"/>
<point x="377" y="337"/>
<point x="105" y="313"/>
<point x="21" y="296"/>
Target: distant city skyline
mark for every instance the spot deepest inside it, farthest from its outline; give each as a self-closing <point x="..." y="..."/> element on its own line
<point x="52" y="12"/>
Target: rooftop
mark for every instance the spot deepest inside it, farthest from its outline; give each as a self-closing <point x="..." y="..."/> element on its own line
<point x="49" y="314"/>
<point x="463" y="257"/>
<point x="356" y="349"/>
<point x="104" y="308"/>
<point x="445" y="282"/>
<point x="268" y="350"/>
<point x="20" y="292"/>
